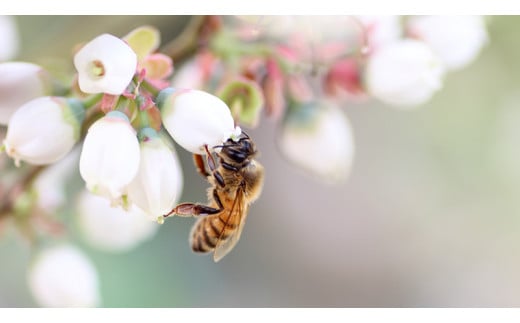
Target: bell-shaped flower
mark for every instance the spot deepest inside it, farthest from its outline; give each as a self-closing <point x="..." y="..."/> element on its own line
<point x="44" y="130"/>
<point x="196" y="118"/>
<point x="317" y="137"/>
<point x="9" y="43"/>
<point x="456" y="39"/>
<point x="404" y="74"/>
<point x="110" y="228"/>
<point x="20" y="82"/>
<point x="158" y="184"/>
<point x="110" y="156"/>
<point x="105" y="65"/>
<point x="63" y="276"/>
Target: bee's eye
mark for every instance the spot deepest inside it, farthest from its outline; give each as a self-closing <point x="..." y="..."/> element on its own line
<point x="237" y="155"/>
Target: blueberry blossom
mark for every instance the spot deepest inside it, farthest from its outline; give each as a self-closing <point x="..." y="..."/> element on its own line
<point x="404" y="74"/>
<point x="9" y="43"/>
<point x="44" y="130"/>
<point x="63" y="276"/>
<point x="158" y="184"/>
<point x="317" y="137"/>
<point x="196" y="118"/>
<point x="105" y="65"/>
<point x="20" y="82"/>
<point x="110" y="156"/>
<point x="110" y="228"/>
<point x="456" y="39"/>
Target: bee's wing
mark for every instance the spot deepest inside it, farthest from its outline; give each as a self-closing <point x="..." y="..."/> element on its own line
<point x="239" y="209"/>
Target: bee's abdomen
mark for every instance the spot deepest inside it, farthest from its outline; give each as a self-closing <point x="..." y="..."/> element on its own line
<point x="206" y="232"/>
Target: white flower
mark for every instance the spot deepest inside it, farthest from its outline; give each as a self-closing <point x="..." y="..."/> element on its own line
<point x="158" y="184"/>
<point x="319" y="139"/>
<point x="63" y="276"/>
<point x="49" y="185"/>
<point x="196" y="118"/>
<point x="20" y="82"/>
<point x="404" y="73"/>
<point x="111" y="228"/>
<point x="381" y="30"/>
<point x="9" y="44"/>
<point x="105" y="65"/>
<point x="44" y="130"/>
<point x="456" y="39"/>
<point x="110" y="156"/>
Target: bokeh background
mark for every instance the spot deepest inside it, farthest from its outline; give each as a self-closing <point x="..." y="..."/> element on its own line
<point x="430" y="216"/>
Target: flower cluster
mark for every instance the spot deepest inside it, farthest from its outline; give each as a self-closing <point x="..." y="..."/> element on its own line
<point x="291" y="66"/>
<point x="123" y="115"/>
<point x="125" y="110"/>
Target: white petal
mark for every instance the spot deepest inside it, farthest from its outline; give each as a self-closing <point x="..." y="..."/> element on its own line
<point x="64" y="277"/>
<point x="20" y="82"/>
<point x="41" y="132"/>
<point x="112" y="228"/>
<point x="403" y="74"/>
<point x="158" y="184"/>
<point x="116" y="59"/>
<point x="196" y="118"/>
<point x="324" y="146"/>
<point x="110" y="156"/>
<point x="9" y="43"/>
<point x="456" y="39"/>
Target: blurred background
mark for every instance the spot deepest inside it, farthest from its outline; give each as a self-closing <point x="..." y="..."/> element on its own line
<point x="429" y="217"/>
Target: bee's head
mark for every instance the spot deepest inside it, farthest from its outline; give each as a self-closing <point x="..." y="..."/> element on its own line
<point x="238" y="152"/>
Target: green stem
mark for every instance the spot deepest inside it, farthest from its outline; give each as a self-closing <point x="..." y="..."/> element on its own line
<point x="150" y="88"/>
<point x="143" y="119"/>
<point x="92" y="100"/>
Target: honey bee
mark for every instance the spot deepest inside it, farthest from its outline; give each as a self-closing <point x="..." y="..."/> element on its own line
<point x="235" y="184"/>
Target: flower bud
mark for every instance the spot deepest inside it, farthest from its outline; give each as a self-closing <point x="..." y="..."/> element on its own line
<point x="404" y="73"/>
<point x="63" y="276"/>
<point x="343" y="80"/>
<point x="19" y="83"/>
<point x="110" y="156"/>
<point x="9" y="44"/>
<point x="318" y="138"/>
<point x="111" y="228"/>
<point x="105" y="65"/>
<point x="196" y="118"/>
<point x="456" y="39"/>
<point x="44" y="130"/>
<point x="158" y="184"/>
<point x="245" y="99"/>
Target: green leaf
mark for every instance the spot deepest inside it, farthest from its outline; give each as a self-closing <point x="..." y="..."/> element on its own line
<point x="143" y="40"/>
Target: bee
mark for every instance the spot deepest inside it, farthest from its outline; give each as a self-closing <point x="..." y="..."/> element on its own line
<point x="236" y="182"/>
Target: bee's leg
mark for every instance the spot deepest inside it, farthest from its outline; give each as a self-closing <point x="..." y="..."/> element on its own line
<point x="213" y="168"/>
<point x="199" y="163"/>
<point x="192" y="209"/>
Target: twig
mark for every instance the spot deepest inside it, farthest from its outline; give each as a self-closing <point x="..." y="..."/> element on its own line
<point x="7" y="203"/>
<point x="190" y="39"/>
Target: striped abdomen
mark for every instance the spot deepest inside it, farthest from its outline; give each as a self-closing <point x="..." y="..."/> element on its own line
<point x="207" y="230"/>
